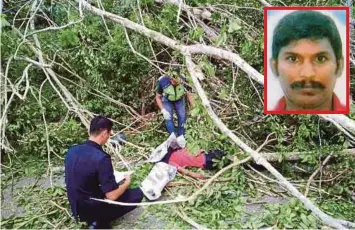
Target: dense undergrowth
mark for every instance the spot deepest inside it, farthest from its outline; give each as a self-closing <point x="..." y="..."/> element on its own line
<point x="106" y="63"/>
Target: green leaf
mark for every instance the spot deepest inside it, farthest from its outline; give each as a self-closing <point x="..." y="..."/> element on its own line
<point x="224" y="93"/>
<point x="221" y="39"/>
<point x="3" y="21"/>
<point x="208" y="68"/>
<point x="234" y="25"/>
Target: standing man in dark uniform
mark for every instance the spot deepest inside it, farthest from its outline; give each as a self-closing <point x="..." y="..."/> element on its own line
<point x="171" y="95"/>
<point x="89" y="174"/>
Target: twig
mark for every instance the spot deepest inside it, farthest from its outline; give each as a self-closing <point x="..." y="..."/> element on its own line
<point x="178" y="183"/>
<point x="33" y="11"/>
<point x="49" y="170"/>
<point x="61" y="208"/>
<point x="265" y="3"/>
<point x="188" y="220"/>
<point x="53" y="28"/>
<point x="103" y="19"/>
<point x="35" y="217"/>
<point x="315" y="173"/>
<point x="267" y="193"/>
<point x="262" y="175"/>
<point x="141" y="55"/>
<point x="179" y="10"/>
<point x="33" y="62"/>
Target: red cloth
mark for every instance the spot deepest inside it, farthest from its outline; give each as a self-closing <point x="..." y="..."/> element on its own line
<point x="182" y="158"/>
<point x="337" y="105"/>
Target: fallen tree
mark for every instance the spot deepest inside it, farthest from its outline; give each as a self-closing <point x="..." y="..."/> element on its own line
<point x="343" y="122"/>
<point x="73" y="105"/>
<point x="196" y="74"/>
<point x="258" y="158"/>
<point x="296" y="156"/>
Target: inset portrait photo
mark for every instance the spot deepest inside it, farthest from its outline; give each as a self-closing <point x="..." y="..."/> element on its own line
<point x="306" y="60"/>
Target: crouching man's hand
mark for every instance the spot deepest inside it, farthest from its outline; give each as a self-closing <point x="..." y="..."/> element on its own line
<point x="115" y="194"/>
<point x="127" y="179"/>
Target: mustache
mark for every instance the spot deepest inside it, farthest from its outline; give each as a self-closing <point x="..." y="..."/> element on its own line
<point x="308" y="84"/>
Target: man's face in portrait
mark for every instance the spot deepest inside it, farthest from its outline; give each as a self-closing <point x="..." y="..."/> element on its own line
<point x="307" y="70"/>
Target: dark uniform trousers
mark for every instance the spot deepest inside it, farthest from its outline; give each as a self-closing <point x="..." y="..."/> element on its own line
<point x="103" y="213"/>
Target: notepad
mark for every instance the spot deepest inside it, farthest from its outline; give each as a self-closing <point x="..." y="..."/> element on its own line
<point x="119" y="176"/>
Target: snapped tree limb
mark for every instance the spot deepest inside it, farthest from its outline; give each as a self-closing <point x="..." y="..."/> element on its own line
<point x="296" y="156"/>
<point x="194" y="72"/>
<point x="342" y="120"/>
<point x="211" y="33"/>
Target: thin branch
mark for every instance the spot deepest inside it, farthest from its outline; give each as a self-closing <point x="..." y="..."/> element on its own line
<point x="33" y="11"/>
<point x="103" y="19"/>
<point x="179" y="10"/>
<point x="53" y="28"/>
<point x="315" y="173"/>
<point x="49" y="170"/>
<point x="188" y="220"/>
<point x="141" y="55"/>
<point x="295" y="156"/>
<point x="33" y="62"/>
<point x="265" y="3"/>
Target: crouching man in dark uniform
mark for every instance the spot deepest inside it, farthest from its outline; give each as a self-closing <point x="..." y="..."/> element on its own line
<point x="89" y="174"/>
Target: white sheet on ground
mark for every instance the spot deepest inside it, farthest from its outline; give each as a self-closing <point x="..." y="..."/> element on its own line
<point x="159" y="176"/>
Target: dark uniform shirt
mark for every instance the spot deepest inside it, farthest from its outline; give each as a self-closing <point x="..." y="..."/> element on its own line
<point x="88" y="173"/>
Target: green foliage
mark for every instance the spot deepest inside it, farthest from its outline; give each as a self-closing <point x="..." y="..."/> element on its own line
<point x="222" y="37"/>
<point x="107" y="64"/>
<point x="219" y="207"/>
<point x="289" y="215"/>
<point x="234" y="25"/>
<point x="41" y="210"/>
<point x="339" y="209"/>
<point x="196" y="34"/>
<point x="68" y="38"/>
<point x="208" y="68"/>
<point x="251" y="51"/>
<point x="222" y="204"/>
<point x="3" y="21"/>
<point x="140" y="173"/>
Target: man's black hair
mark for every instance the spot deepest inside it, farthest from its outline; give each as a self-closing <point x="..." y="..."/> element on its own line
<point x="100" y="123"/>
<point x="306" y="24"/>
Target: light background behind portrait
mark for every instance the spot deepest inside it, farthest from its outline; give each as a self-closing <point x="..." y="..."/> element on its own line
<point x="274" y="91"/>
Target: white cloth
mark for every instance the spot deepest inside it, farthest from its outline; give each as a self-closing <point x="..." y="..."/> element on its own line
<point x="181" y="141"/>
<point x="158" y="153"/>
<point x="173" y="142"/>
<point x="159" y="176"/>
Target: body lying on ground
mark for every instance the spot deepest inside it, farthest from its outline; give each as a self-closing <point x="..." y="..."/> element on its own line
<point x="182" y="159"/>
